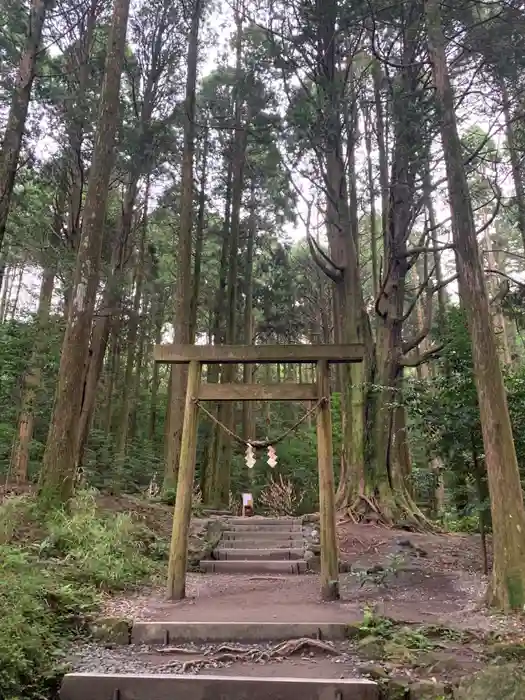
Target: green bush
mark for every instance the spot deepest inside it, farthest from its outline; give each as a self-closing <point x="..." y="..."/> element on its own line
<point x="52" y="570"/>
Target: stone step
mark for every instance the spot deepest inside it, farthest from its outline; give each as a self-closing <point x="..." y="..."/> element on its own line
<point x="261" y="534"/>
<point x="249" y="543"/>
<point x="268" y="554"/>
<point x="98" y="686"/>
<point x="245" y="529"/>
<point x="297" y="566"/>
<point x="158" y="633"/>
<point x="249" y="524"/>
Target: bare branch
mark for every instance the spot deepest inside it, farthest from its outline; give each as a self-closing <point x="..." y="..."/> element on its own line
<point x="424" y="249"/>
<point x="418" y="360"/>
<point x="503" y="290"/>
<point x="490" y="221"/>
<point x="422" y="287"/>
<point x="493" y="271"/>
<point x="323" y="261"/>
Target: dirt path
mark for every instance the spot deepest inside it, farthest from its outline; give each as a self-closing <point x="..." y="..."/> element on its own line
<point x="431" y="586"/>
<point x="432" y="579"/>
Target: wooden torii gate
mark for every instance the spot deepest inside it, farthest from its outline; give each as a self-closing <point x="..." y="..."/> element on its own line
<point x="197" y="355"/>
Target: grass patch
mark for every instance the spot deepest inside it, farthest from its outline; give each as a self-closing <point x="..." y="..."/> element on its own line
<point x="52" y="571"/>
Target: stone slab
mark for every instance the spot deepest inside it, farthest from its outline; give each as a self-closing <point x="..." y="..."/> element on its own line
<point x="231" y="566"/>
<point x="262" y="532"/>
<point x="91" y="686"/>
<point x="263" y="527"/>
<point x="254" y="554"/>
<point x="187" y="632"/>
<point x="284" y="522"/>
<point x="246" y="543"/>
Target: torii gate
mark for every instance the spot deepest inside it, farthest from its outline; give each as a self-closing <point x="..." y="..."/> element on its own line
<point x="197" y="355"/>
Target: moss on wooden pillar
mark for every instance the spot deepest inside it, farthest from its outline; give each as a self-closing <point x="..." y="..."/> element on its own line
<point x="176" y="588"/>
<point x="329" y="549"/>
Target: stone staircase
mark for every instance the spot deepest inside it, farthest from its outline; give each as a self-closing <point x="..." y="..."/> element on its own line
<point x="259" y="545"/>
<point x="248" y="545"/>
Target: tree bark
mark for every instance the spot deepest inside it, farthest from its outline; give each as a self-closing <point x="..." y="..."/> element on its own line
<point x="248" y="423"/>
<point x="211" y="464"/>
<point x="18" y="289"/>
<point x="199" y="235"/>
<point x="372" y="200"/>
<point x="227" y="409"/>
<point x="16" y="119"/>
<point x="183" y="289"/>
<point x="77" y="115"/>
<point x="351" y="324"/>
<point x="6" y="291"/>
<point x="58" y="468"/>
<point x="507" y="588"/>
<point x="131" y="353"/>
<point x="515" y="160"/>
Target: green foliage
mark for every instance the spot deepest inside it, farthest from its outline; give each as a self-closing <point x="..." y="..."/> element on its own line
<point x="39" y="611"/>
<point x="51" y="572"/>
<point x="401" y="637"/>
<point x="445" y="420"/>
<point x="16" y="343"/>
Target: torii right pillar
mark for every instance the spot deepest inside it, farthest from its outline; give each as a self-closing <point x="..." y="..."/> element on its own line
<point x="327" y="518"/>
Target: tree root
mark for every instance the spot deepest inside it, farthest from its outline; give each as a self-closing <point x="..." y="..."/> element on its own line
<point x="398" y="511"/>
<point x="227" y="653"/>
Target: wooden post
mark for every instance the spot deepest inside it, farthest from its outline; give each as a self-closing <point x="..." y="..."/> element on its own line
<point x="329" y="553"/>
<point x="176" y="588"/>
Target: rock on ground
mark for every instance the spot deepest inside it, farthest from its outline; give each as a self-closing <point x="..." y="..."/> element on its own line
<point x="505" y="682"/>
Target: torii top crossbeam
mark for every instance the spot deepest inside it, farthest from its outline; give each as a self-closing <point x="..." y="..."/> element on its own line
<point x="215" y="354"/>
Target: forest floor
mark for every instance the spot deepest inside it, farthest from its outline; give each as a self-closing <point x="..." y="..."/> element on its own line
<point x="418" y="615"/>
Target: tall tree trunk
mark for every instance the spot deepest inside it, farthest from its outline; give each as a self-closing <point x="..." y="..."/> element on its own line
<point x="16" y="120"/>
<point x="58" y="467"/>
<point x="18" y="289"/>
<point x="493" y="286"/>
<point x="381" y="142"/>
<point x="434" y="237"/>
<point x="515" y="160"/>
<point x="507" y="588"/>
<point x="227" y="409"/>
<point x="77" y="115"/>
<point x="199" y="236"/>
<point x="140" y="368"/>
<point x="351" y="324"/>
<point x="183" y="290"/>
<point x="248" y="423"/>
<point x="158" y="317"/>
<point x="112" y="371"/>
<point x="131" y="354"/>
<point x="112" y="295"/>
<point x="3" y="270"/>
<point x="210" y="461"/>
<point x="387" y="450"/>
<point x="372" y="199"/>
<point x="6" y="291"/>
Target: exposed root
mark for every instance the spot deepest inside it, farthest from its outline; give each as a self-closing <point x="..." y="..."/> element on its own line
<point x="397" y="510"/>
<point x="295" y="645"/>
<point x="228" y="653"/>
<point x="205" y="661"/>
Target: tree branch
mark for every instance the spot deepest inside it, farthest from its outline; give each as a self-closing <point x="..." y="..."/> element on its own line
<point x="323" y="261"/>
<point x="424" y="249"/>
<point x="418" y="360"/>
<point x="493" y="271"/>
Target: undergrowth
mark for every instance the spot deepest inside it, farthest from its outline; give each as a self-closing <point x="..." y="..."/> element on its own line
<point x="53" y="570"/>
